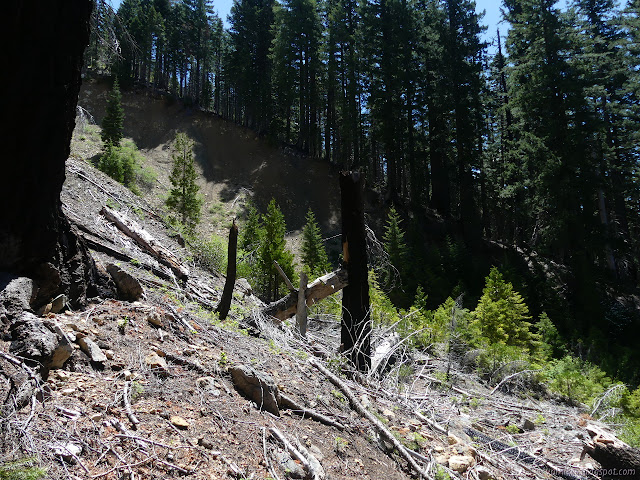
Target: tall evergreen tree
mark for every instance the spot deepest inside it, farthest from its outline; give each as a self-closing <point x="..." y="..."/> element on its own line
<point x="183" y="197"/>
<point x="273" y="249"/>
<point x="314" y="255"/>
<point x="113" y="121"/>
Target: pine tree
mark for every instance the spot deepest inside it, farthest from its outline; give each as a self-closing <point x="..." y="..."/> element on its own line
<point x="112" y="123"/>
<point x="273" y="248"/>
<point x="314" y="256"/>
<point x="501" y="314"/>
<point x="252" y="231"/>
<point x="183" y="197"/>
<point x="396" y="248"/>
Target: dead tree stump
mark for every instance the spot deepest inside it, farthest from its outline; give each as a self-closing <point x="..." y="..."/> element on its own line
<point x="356" y="322"/>
<point x="227" y="294"/>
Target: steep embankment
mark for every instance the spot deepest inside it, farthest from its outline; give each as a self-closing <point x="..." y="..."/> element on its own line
<point x="232" y="160"/>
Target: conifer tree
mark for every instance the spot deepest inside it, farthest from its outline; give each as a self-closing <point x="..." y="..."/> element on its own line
<point x="112" y="123"/>
<point x="252" y="231"/>
<point x="273" y="248"/>
<point x="183" y="197"/>
<point x="396" y="249"/>
<point x="501" y="314"/>
<point x="314" y="256"/>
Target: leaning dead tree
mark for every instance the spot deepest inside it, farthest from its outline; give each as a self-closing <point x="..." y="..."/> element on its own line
<point x="612" y="454"/>
<point x="227" y="293"/>
<point x="356" y="323"/>
<point x="320" y="288"/>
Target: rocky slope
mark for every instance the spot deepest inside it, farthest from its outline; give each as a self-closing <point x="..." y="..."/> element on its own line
<point x="152" y="385"/>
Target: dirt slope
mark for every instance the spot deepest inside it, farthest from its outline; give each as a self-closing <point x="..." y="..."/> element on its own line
<point x="232" y="160"/>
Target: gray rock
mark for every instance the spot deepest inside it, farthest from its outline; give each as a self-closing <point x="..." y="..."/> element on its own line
<point x="288" y="465"/>
<point x="257" y="386"/>
<point x="64" y="349"/>
<point x="244" y="286"/>
<point x="59" y="303"/>
<point x="31" y="339"/>
<point x="92" y="350"/>
<point x="68" y="451"/>
<point x="16" y="294"/>
<point x="129" y="288"/>
<point x="528" y="425"/>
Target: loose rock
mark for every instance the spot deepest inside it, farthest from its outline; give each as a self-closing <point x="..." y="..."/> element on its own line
<point x="257" y="386"/>
<point x="92" y="350"/>
<point x="129" y="288"/>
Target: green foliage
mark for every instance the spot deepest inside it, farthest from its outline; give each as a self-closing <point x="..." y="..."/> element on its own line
<point x="123" y="163"/>
<point x="396" y="248"/>
<point x="575" y="379"/>
<point x="112" y="123"/>
<point x="252" y="231"/>
<point x="383" y="312"/>
<point x="314" y="255"/>
<point x="273" y="248"/>
<point x="211" y="253"/>
<point x="183" y="196"/>
<point x="550" y="341"/>
<point x="21" y="470"/>
<point x="501" y="314"/>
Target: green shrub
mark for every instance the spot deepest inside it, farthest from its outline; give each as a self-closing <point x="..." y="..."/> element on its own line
<point x="211" y="254"/>
<point x="123" y="163"/>
<point x="575" y="379"/>
<point x="21" y="470"/>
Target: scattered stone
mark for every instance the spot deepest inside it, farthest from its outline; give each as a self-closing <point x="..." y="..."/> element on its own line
<point x="568" y="427"/>
<point x="96" y="417"/>
<point x="157" y="364"/>
<point x="483" y="473"/>
<point x="528" y="425"/>
<point x="257" y="386"/>
<point x="209" y="385"/>
<point x="442" y="459"/>
<point x="286" y="463"/>
<point x="127" y="375"/>
<point x="460" y="463"/>
<point x="92" y="350"/>
<point x="452" y="439"/>
<point x="203" y="442"/>
<point x="388" y="414"/>
<point x="59" y="303"/>
<point x="154" y="318"/>
<point x="64" y="349"/>
<point x="67" y="451"/>
<point x="110" y="354"/>
<point x="179" y="422"/>
<point x="129" y="288"/>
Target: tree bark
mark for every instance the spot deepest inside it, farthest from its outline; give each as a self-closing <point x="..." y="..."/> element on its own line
<point x="613" y="455"/>
<point x="356" y="322"/>
<point x="36" y="239"/>
<point x="321" y="288"/>
<point x="227" y="294"/>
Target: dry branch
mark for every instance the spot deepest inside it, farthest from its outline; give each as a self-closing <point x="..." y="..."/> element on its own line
<point x="380" y="427"/>
<point x="146" y="241"/>
<point x="287" y="402"/>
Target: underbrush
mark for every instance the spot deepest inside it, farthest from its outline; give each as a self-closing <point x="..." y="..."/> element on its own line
<point x="124" y="163"/>
<point x="500" y="343"/>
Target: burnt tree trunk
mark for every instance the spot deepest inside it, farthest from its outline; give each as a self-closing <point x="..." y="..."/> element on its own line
<point x="356" y="323"/>
<point x="227" y="294"/>
<point x="36" y="239"/>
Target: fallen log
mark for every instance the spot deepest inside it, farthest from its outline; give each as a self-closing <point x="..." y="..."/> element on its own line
<point x="146" y="241"/>
<point x="320" y="288"/>
<point x="616" y="458"/>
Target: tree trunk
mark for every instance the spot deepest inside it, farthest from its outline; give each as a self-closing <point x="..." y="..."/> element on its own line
<point x="356" y="323"/>
<point x="36" y="240"/>
<point x="227" y="294"/>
